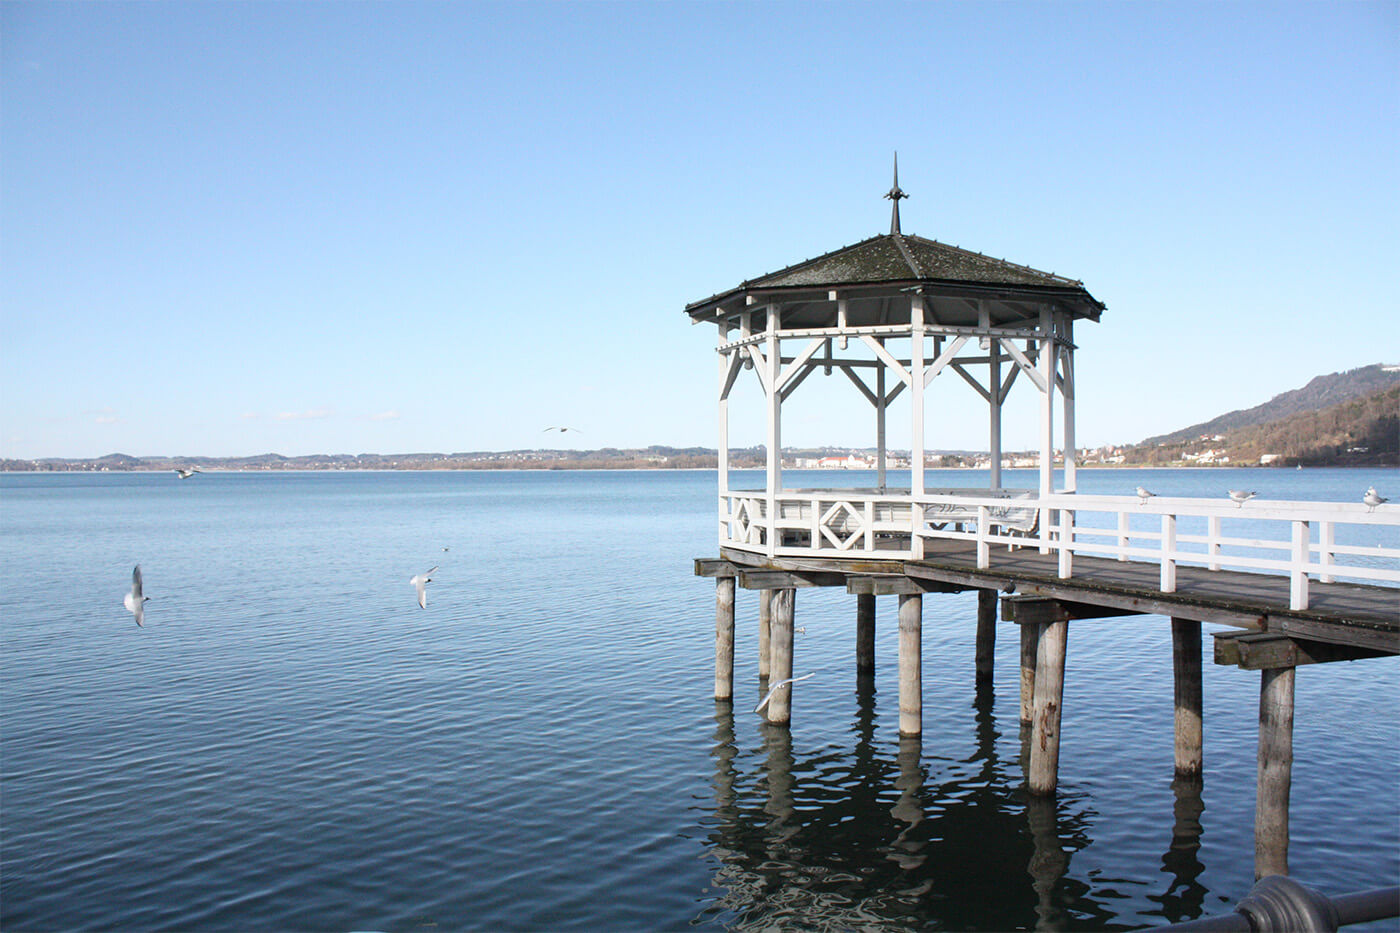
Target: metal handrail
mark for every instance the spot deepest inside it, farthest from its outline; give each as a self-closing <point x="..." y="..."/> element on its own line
<point x="1278" y="904"/>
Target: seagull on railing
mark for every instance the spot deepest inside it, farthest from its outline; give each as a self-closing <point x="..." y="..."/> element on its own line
<point x="1373" y="499"/>
<point x="421" y="581"/>
<point x="187" y="473"/>
<point x="134" y="601"/>
<point x="777" y="686"/>
<point x="1143" y="495"/>
<point x="1241" y="496"/>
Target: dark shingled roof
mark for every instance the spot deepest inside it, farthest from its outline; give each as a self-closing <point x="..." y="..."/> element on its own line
<point x="898" y="257"/>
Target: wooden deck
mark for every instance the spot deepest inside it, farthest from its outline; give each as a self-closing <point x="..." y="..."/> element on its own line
<point x="1359" y="615"/>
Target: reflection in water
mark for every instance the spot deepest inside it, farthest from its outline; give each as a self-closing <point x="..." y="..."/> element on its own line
<point x="885" y="834"/>
<point x="1185" y="897"/>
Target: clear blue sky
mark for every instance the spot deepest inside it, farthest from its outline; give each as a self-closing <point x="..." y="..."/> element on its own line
<point x="233" y="228"/>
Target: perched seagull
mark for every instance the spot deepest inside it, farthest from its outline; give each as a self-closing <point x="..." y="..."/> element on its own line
<point x="421" y="581"/>
<point x="134" y="602"/>
<point x="1143" y="495"/>
<point x="776" y="687"/>
<point x="1241" y="496"/>
<point x="562" y="430"/>
<point x="1373" y="498"/>
<point x="186" y="474"/>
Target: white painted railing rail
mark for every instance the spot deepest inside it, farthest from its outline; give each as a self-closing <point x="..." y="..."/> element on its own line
<point x="1304" y="540"/>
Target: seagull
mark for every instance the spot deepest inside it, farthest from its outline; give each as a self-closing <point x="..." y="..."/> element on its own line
<point x="446" y="549"/>
<point x="1143" y="495"/>
<point x="1241" y="496"/>
<point x="780" y="684"/>
<point x="562" y="430"/>
<point x="134" y="602"/>
<point x="186" y="474"/>
<point x="421" y="581"/>
<point x="1373" y="498"/>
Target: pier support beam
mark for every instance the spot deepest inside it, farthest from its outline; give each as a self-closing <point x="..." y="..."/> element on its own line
<point x="865" y="635"/>
<point x="1030" y="645"/>
<point x="765" y="617"/>
<point x="780" y="655"/>
<point x="1187" y="694"/>
<point x="986" y="634"/>
<point x="1275" y="771"/>
<point x="911" y="671"/>
<point x="724" y="638"/>
<point x="1049" y="696"/>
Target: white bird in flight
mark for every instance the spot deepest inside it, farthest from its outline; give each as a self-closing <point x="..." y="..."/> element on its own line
<point x="1241" y="496"/>
<point x="1373" y="499"/>
<point x="187" y="473"/>
<point x="421" y="581"/>
<point x="562" y="430"/>
<point x="778" y="686"/>
<point x="1143" y="495"/>
<point x="134" y="601"/>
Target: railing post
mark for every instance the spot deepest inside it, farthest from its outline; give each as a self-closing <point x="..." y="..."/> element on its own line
<point x="1213" y="541"/>
<point x="1122" y="535"/>
<point x="870" y="524"/>
<point x="916" y="521"/>
<point x="1168" y="554"/>
<point x="1298" y="586"/>
<point x="1066" y="543"/>
<point x="1325" y="556"/>
<point x="984" y="548"/>
<point x="816" y="524"/>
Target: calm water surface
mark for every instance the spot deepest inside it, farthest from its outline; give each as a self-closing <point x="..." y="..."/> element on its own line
<point x="292" y="743"/>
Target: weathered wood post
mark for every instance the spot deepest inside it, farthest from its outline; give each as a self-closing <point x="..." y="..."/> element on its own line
<point x="1049" y="696"/>
<point x="724" y="638"/>
<point x="1030" y="646"/>
<point x="780" y="652"/>
<point x="986" y="634"/>
<point x="911" y="673"/>
<point x="1275" y="771"/>
<point x="765" y="617"/>
<point x="865" y="634"/>
<point x="1187" y="693"/>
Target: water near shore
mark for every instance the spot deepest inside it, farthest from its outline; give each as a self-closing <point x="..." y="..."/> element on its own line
<point x="291" y="743"/>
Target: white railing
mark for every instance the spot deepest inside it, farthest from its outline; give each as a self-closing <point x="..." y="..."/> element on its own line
<point x="1328" y="541"/>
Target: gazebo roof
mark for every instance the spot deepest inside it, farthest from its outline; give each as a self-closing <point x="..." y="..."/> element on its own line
<point x="905" y="260"/>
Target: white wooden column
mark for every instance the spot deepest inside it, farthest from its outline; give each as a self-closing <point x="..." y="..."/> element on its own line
<point x="775" y="430"/>
<point x="994" y="410"/>
<point x="880" y="427"/>
<point x="1047" y="365"/>
<point x="1067" y="395"/>
<point x="724" y="364"/>
<point x="916" y="414"/>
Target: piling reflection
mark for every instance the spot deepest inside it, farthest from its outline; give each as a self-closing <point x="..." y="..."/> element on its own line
<point x="1184" y="898"/>
<point x="886" y="833"/>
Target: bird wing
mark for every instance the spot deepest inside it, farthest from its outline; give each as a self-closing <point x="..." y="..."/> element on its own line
<point x="136" y="583"/>
<point x="422" y="592"/>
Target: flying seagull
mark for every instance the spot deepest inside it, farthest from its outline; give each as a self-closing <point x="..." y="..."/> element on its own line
<point x="1373" y="498"/>
<point x="134" y="602"/>
<point x="561" y="430"/>
<point x="1143" y="495"/>
<point x="1241" y="496"/>
<point x="421" y="581"/>
<point x="780" y="684"/>
<point x="187" y="473"/>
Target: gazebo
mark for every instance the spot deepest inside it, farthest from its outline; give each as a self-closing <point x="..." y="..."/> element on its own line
<point x="892" y="313"/>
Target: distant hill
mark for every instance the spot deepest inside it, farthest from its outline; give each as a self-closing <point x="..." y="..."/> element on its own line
<point x="1322" y="392"/>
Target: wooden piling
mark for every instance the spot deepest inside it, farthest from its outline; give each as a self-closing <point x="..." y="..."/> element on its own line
<point x="724" y="638"/>
<point x="1187" y="693"/>
<point x="765" y="616"/>
<point x="986" y="634"/>
<point x="780" y="655"/>
<point x="1275" y="771"/>
<point x="865" y="634"/>
<point x="1049" y="696"/>
<point x="1030" y="644"/>
<point x="911" y="675"/>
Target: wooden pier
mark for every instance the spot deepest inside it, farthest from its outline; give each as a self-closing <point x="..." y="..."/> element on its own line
<point x="1296" y="582"/>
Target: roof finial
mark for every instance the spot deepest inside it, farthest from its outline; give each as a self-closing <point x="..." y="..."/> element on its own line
<point x="894" y="195"/>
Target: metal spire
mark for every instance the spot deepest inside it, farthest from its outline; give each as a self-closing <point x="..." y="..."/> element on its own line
<point x="894" y="195"/>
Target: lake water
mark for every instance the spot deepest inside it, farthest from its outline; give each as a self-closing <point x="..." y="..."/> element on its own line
<point x="291" y="743"/>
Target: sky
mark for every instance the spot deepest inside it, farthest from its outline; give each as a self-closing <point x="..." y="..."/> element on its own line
<point x="236" y="228"/>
